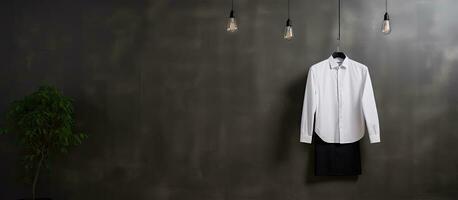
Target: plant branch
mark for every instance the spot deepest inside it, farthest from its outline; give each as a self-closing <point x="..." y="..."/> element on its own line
<point x="37" y="173"/>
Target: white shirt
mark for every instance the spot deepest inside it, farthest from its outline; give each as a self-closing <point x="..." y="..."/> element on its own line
<point x="340" y="93"/>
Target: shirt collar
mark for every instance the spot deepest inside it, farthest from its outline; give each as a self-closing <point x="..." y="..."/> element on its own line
<point x="333" y="62"/>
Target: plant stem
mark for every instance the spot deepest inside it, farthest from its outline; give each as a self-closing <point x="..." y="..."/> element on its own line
<point x="37" y="173"/>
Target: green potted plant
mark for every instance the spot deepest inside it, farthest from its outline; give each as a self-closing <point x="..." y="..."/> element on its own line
<point x="44" y="125"/>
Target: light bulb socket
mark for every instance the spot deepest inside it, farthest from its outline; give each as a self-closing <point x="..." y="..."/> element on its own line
<point x="232" y="14"/>
<point x="288" y="22"/>
<point x="386" y="17"/>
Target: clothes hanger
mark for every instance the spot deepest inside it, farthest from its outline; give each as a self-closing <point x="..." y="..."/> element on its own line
<point x="338" y="53"/>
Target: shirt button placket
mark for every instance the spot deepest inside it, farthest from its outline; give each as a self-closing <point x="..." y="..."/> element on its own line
<point x="340" y="105"/>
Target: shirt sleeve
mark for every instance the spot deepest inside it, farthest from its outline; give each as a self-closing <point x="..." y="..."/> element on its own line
<point x="308" y="108"/>
<point x="370" y="110"/>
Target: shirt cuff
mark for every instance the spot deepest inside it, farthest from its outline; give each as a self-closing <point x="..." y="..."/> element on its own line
<point x="374" y="138"/>
<point x="306" y="138"/>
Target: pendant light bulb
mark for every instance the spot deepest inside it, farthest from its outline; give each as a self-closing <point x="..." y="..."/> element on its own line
<point x="232" y="23"/>
<point x="386" y="28"/>
<point x="288" y="31"/>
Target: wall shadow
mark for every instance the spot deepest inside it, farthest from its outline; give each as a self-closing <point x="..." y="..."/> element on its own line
<point x="290" y="123"/>
<point x="290" y="120"/>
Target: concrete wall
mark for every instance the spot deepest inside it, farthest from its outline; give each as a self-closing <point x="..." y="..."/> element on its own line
<point x="176" y="108"/>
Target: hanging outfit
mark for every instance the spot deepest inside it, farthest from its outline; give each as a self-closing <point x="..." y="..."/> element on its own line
<point x="338" y="104"/>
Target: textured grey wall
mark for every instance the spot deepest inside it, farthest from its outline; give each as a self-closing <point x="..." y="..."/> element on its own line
<point x="176" y="108"/>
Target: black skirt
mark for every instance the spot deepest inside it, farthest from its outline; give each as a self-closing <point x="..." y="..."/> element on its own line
<point x="333" y="159"/>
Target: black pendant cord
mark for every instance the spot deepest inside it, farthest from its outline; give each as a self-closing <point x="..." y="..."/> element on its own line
<point x="288" y="21"/>
<point x="338" y="34"/>
<point x="288" y="9"/>
<point x="386" y="16"/>
<point x="232" y="9"/>
<point x="386" y="6"/>
<point x="338" y="53"/>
